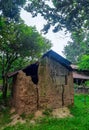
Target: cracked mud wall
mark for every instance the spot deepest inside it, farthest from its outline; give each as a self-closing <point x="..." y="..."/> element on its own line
<point x="51" y="78"/>
<point x="24" y="94"/>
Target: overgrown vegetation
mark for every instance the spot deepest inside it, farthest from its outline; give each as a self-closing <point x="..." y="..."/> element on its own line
<point x="77" y="50"/>
<point x="20" y="45"/>
<point x="72" y="14"/>
<point x="4" y="112"/>
<point x="47" y="112"/>
<point x="79" y="120"/>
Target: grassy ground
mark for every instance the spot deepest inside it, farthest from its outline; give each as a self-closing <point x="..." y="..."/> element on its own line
<point x="79" y="121"/>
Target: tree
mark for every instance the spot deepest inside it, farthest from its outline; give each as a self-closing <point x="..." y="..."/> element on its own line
<point x="78" y="47"/>
<point x="72" y="51"/>
<point x="77" y="51"/>
<point x="84" y="62"/>
<point x="71" y="14"/>
<point x="18" y="42"/>
<point x="11" y="8"/>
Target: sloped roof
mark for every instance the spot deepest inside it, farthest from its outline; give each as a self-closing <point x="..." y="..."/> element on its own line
<point x="58" y="58"/>
<point x="30" y="70"/>
<point x="11" y="74"/>
<point x="80" y="76"/>
<point x="74" y="67"/>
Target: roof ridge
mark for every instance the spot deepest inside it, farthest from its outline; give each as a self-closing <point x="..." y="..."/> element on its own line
<point x="58" y="58"/>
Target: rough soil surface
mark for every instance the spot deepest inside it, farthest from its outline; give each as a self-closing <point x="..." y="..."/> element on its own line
<point x="15" y="118"/>
<point x="38" y="114"/>
<point x="61" y="112"/>
<point x="56" y="113"/>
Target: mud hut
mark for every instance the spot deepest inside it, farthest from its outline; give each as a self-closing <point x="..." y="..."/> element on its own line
<point x="45" y="84"/>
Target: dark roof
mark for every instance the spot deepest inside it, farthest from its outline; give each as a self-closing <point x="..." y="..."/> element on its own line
<point x="58" y="58"/>
<point x="11" y="74"/>
<point x="30" y="70"/>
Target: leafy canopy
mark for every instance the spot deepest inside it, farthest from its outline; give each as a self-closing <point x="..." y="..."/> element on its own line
<point x="77" y="51"/>
<point x="78" y="47"/>
<point x="19" y="45"/>
<point x="11" y="8"/>
<point x="71" y="14"/>
<point x="20" y="41"/>
<point x="84" y="62"/>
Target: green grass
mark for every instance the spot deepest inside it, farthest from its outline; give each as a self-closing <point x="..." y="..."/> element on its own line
<point x="79" y="121"/>
<point x="4" y="116"/>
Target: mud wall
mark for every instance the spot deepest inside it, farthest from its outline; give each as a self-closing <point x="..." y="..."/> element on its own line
<point x="55" y="88"/>
<point x="55" y="85"/>
<point x="24" y="94"/>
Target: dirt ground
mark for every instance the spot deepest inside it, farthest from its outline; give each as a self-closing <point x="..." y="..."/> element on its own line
<point x="61" y="112"/>
<point x="56" y="113"/>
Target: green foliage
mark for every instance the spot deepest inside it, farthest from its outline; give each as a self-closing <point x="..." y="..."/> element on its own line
<point x="64" y="13"/>
<point x="47" y="112"/>
<point x="87" y="83"/>
<point x="0" y="82"/>
<point x="23" y="115"/>
<point x="11" y="8"/>
<point x="72" y="51"/>
<point x="2" y="103"/>
<point x="18" y="42"/>
<point x="72" y="14"/>
<point x="84" y="62"/>
<point x="4" y="116"/>
<point x="75" y="86"/>
<point x="19" y="46"/>
<point x="77" y="51"/>
<point x="29" y="117"/>
<point x="21" y="40"/>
